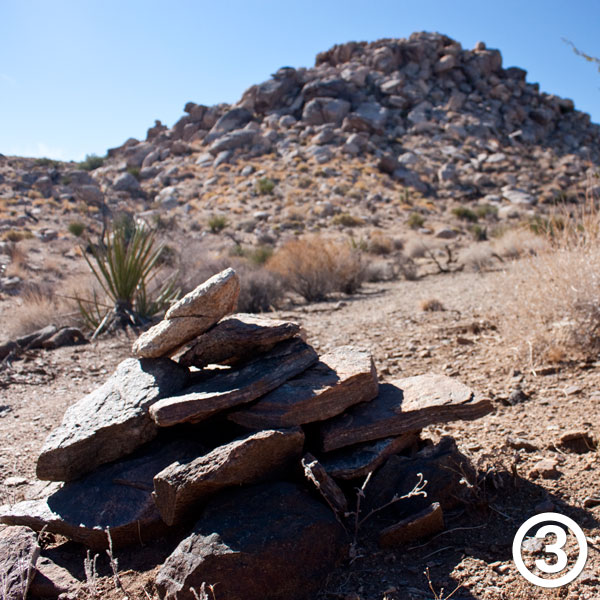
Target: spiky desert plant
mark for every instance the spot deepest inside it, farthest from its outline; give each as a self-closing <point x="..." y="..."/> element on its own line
<point x="126" y="265"/>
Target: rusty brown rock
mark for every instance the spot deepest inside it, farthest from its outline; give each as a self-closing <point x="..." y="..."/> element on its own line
<point x="19" y="551"/>
<point x="237" y="338"/>
<point x="112" y="421"/>
<point x="228" y="388"/>
<point x="401" y="406"/>
<point x="423" y="524"/>
<point x="179" y="487"/>
<point x="342" y="378"/>
<point x="191" y="316"/>
<point x="324" y="484"/>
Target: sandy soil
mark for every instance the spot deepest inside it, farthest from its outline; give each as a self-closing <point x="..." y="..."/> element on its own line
<point x="463" y="341"/>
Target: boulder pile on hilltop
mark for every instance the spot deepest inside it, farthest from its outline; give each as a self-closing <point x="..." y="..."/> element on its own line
<point x="230" y="433"/>
<point x="373" y="131"/>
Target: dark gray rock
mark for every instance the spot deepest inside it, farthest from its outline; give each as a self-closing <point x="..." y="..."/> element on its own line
<point x="270" y="541"/>
<point x="325" y="110"/>
<point x="403" y="406"/>
<point x="112" y="421"/>
<point x="442" y="466"/>
<point x="116" y="496"/>
<point x="181" y="486"/>
<point x="342" y="378"/>
<point x="231" y="120"/>
<point x="224" y="389"/>
<point x="360" y="460"/>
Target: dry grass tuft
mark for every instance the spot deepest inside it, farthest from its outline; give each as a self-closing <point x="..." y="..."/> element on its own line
<point x="432" y="305"/>
<point x="39" y="307"/>
<point x="554" y="309"/>
<point x="517" y="243"/>
<point x="314" y="267"/>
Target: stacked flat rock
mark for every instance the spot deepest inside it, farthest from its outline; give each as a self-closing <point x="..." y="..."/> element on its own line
<point x="222" y="417"/>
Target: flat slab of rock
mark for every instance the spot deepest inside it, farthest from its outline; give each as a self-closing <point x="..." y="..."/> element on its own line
<point x="324" y="484"/>
<point x="179" y="487"/>
<point x="269" y="541"/>
<point x="342" y="378"/>
<point x="19" y="552"/>
<point x="401" y="406"/>
<point x="360" y="460"/>
<point x="231" y="387"/>
<point x="237" y="338"/>
<point x="112" y="421"/>
<point x="423" y="524"/>
<point x="118" y="496"/>
<point x="191" y="316"/>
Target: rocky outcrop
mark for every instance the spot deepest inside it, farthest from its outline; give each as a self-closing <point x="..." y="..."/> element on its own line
<point x="160" y="446"/>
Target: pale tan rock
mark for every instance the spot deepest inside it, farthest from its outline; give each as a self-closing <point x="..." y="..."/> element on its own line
<point x="324" y="484"/>
<point x="194" y="314"/>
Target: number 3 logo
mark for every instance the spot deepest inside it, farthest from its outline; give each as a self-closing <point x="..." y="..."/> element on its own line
<point x="556" y="549"/>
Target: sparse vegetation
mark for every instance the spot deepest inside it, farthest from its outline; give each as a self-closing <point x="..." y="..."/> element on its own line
<point x="557" y="291"/>
<point x="76" y="228"/>
<point x="314" y="267"/>
<point x="265" y="186"/>
<point x="415" y="220"/>
<point x="464" y="213"/>
<point x="217" y="223"/>
<point x="46" y="162"/>
<point x="125" y="265"/>
<point x="91" y="162"/>
<point x="347" y="220"/>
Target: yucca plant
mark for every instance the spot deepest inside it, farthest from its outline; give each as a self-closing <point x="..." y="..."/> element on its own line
<point x="126" y="266"/>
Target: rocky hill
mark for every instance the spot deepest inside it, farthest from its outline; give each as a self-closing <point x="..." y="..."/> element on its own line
<point x="370" y="134"/>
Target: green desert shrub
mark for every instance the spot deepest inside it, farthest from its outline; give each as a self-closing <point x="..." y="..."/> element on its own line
<point x="91" y="162"/>
<point x="76" y="228"/>
<point x="126" y="266"/>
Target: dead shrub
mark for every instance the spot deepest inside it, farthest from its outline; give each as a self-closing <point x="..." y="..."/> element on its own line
<point x="380" y="244"/>
<point x="516" y="243"/>
<point x="41" y="306"/>
<point x="314" y="267"/>
<point x="556" y="299"/>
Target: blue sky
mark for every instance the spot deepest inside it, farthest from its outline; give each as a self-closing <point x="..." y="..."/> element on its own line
<point x="81" y="76"/>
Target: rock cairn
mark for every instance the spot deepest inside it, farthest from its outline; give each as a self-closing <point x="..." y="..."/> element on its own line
<point x="229" y="431"/>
